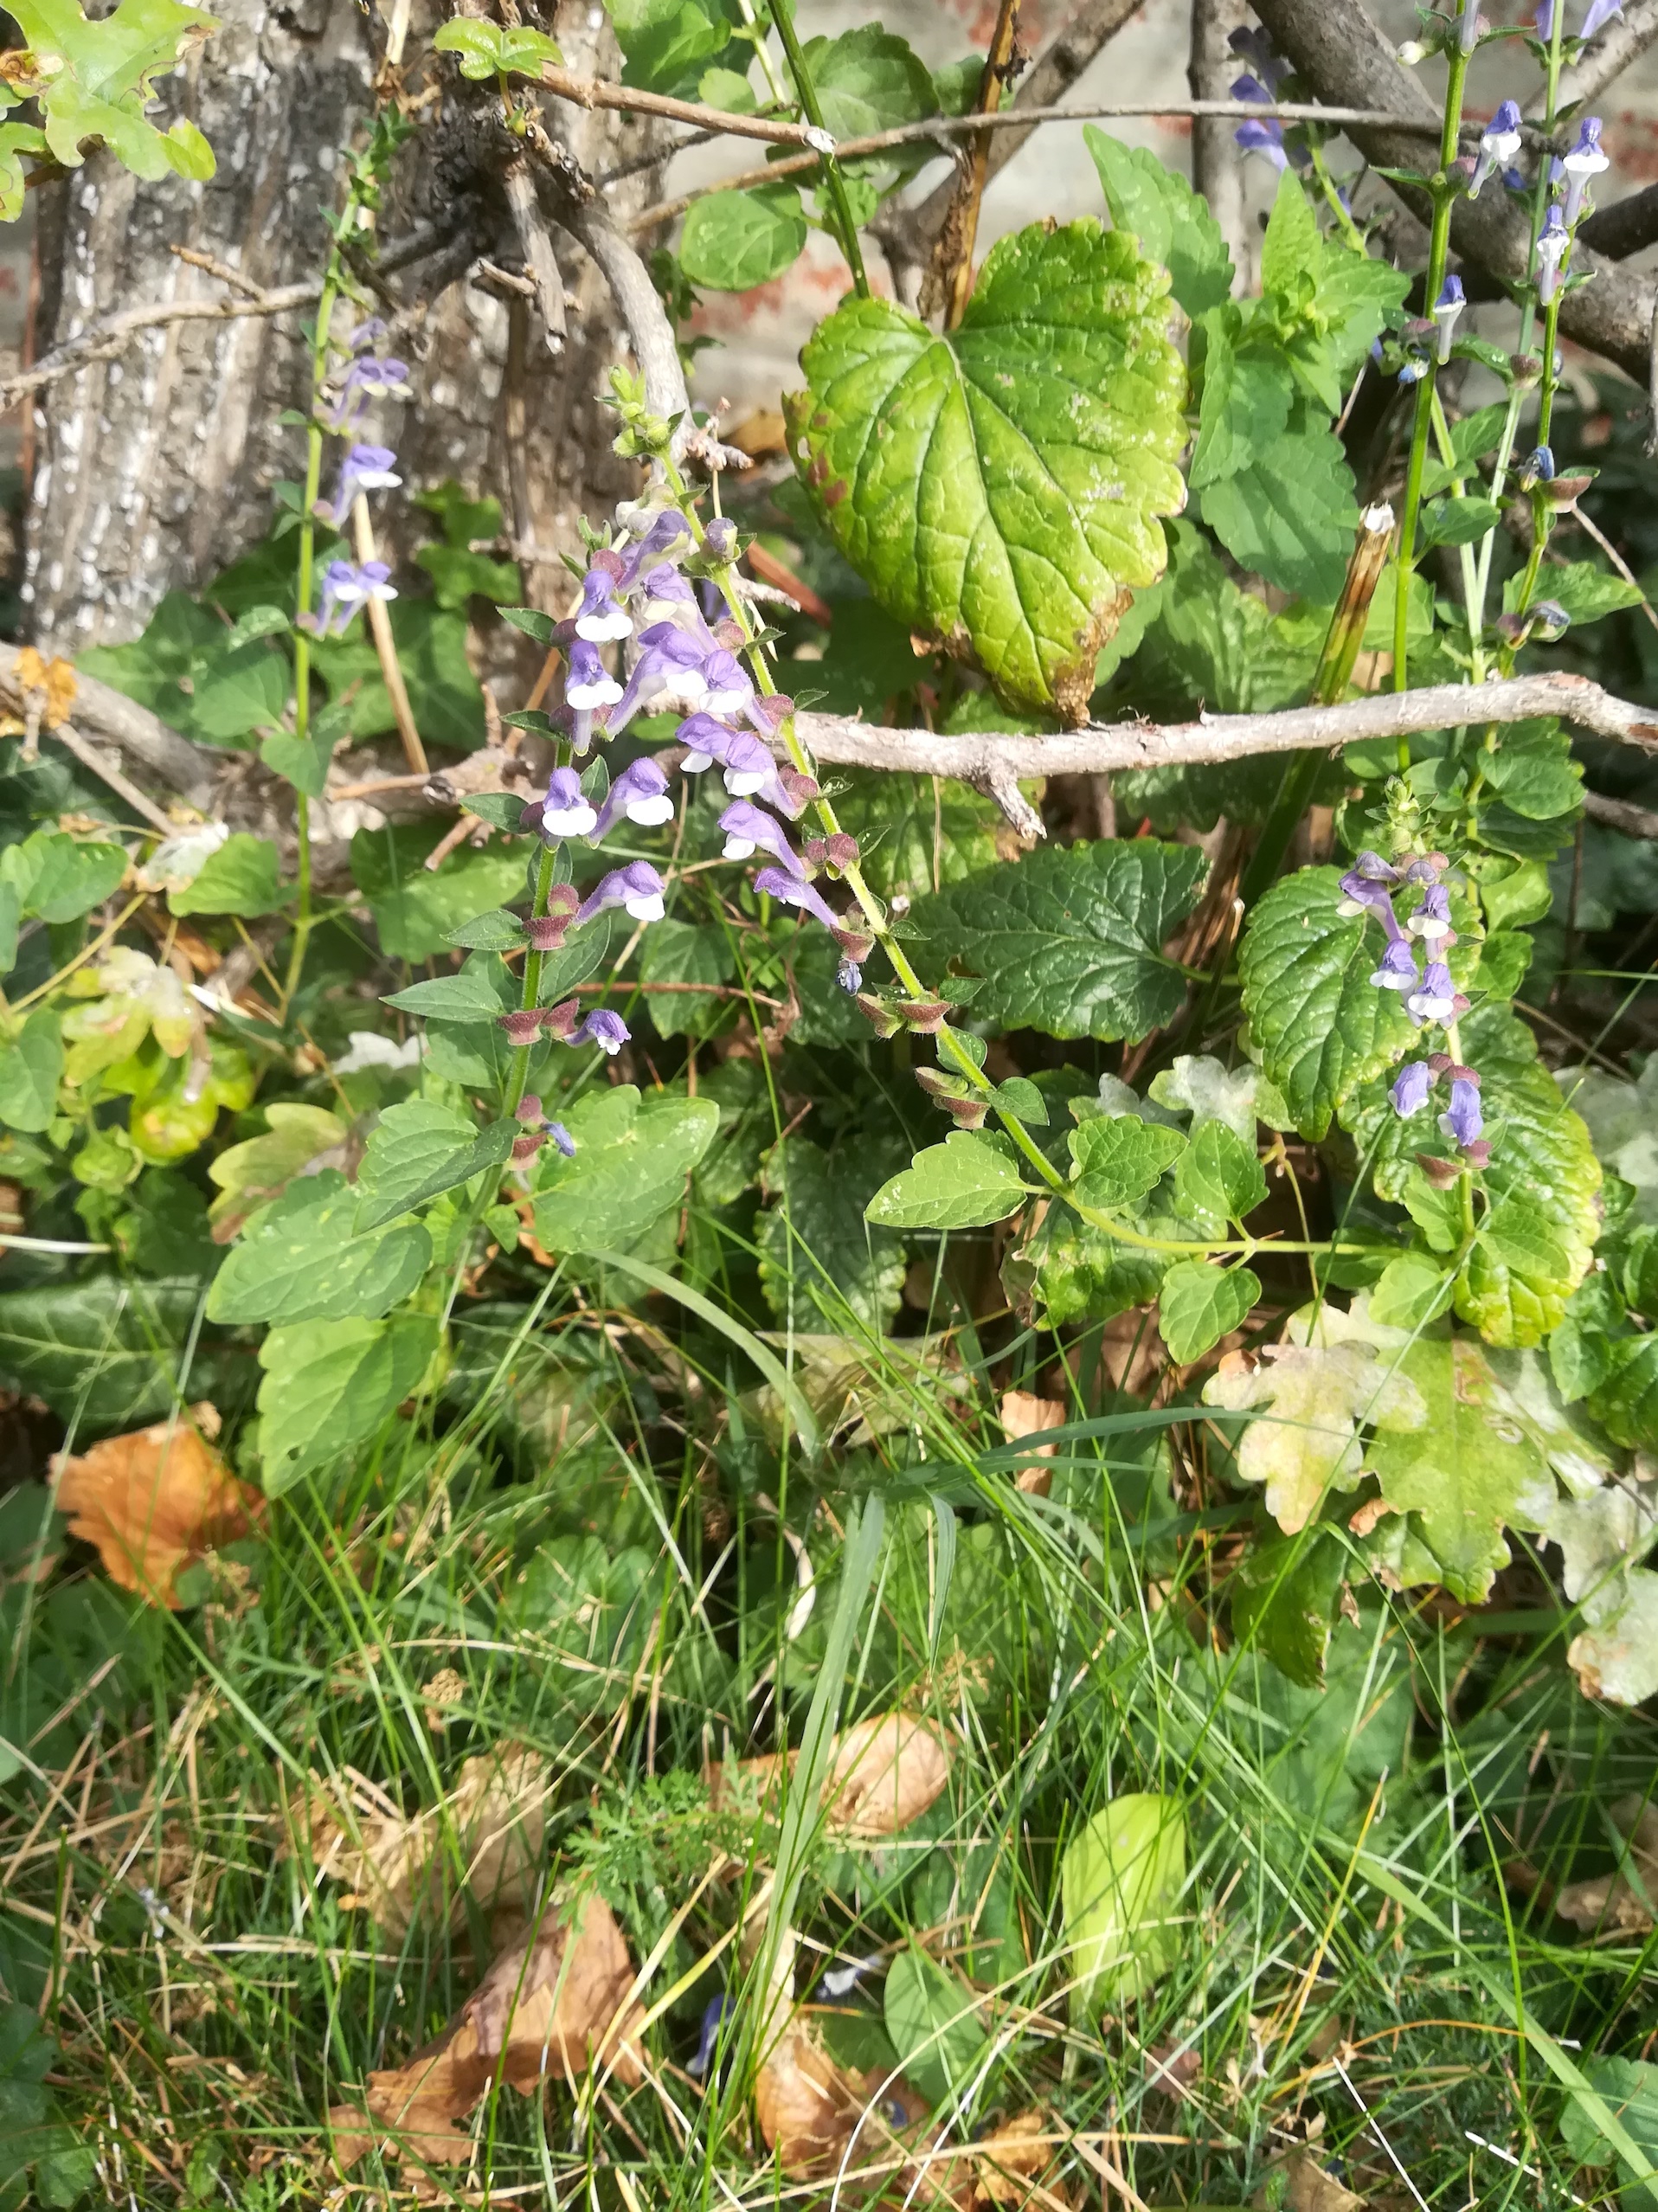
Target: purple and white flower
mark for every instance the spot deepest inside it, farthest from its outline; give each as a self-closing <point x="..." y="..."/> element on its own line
<point x="1431" y="920"/>
<point x="668" y="674"/>
<point x="1553" y="250"/>
<point x="600" y="618"/>
<point x="791" y="891"/>
<point x="345" y="588"/>
<point x="562" y="1137"/>
<point x="1410" y="1087"/>
<point x="1584" y="162"/>
<point x="1537" y="468"/>
<point x="662" y="535"/>
<point x="365" y="468"/>
<point x="637" y="888"/>
<point x="749" y="829"/>
<point x="1447" y="309"/>
<point x="589" y="684"/>
<point x="640" y="794"/>
<point x="1464" y="1121"/>
<point x="606" y="1030"/>
<point x="370" y="378"/>
<point x="566" y="811"/>
<point x="1436" y="997"/>
<point x="728" y="690"/>
<point x="1499" y="143"/>
<point x="1399" y="970"/>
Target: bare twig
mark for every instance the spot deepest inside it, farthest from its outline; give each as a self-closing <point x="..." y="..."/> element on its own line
<point x="143" y="737"/>
<point x="539" y="257"/>
<point x="1625" y="227"/>
<point x="1025" y="120"/>
<point x="385" y="644"/>
<point x="987" y="759"/>
<point x="599" y="92"/>
<point x="1621" y="814"/>
<point x="106" y="772"/>
<point x="953" y="259"/>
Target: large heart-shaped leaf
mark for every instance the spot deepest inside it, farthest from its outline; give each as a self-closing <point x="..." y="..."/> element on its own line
<point x="999" y="487"/>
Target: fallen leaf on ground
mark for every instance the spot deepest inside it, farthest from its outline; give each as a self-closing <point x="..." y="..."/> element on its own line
<point x="1611" y="1902"/>
<point x="155" y="1501"/>
<point x="809" y="2108"/>
<point x="1310" y="2188"/>
<point x="402" y="1869"/>
<point x="549" y="2006"/>
<point x="1022" y="1415"/>
<point x="882" y="1774"/>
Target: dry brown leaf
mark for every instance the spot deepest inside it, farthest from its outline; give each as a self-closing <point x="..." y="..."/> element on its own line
<point x="882" y="1774"/>
<point x="1311" y="2189"/>
<point x="1611" y="1903"/>
<point x="807" y="2106"/>
<point x="155" y="1501"/>
<point x="1022" y="1415"/>
<point x="549" y="2007"/>
<point x="400" y="1870"/>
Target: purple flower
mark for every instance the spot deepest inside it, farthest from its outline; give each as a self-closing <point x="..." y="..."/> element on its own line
<point x="1431" y="920"/>
<point x="1263" y="137"/>
<point x="663" y="535"/>
<point x="1449" y="305"/>
<point x="790" y="891"/>
<point x="1398" y="969"/>
<point x="566" y="811"/>
<point x="562" y="1137"/>
<point x="1585" y="161"/>
<point x="600" y="618"/>
<point x="1544" y="24"/>
<point x="1537" y="468"/>
<point x="1464" y="1121"/>
<point x="365" y="468"/>
<point x="1600" y="13"/>
<point x="749" y="828"/>
<point x="368" y="334"/>
<point x="849" y="976"/>
<point x="1468" y="35"/>
<point x="729" y="690"/>
<point x="588" y="683"/>
<point x="641" y="793"/>
<point x="346" y="588"/>
<point x="368" y="378"/>
<point x="1436" y="998"/>
<point x="637" y="887"/>
<point x="1374" y="869"/>
<point x="1410" y="1087"/>
<point x="1549" y="620"/>
<point x="669" y="598"/>
<point x="713" y="2013"/>
<point x="1553" y="249"/>
<point x="1499" y="143"/>
<point x="750" y="771"/>
<point x="606" y="1030"/>
<point x="1362" y="894"/>
<point x="668" y="673"/>
<point x="1252" y="45"/>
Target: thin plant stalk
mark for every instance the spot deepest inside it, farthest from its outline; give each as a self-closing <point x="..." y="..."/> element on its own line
<point x="845" y="227"/>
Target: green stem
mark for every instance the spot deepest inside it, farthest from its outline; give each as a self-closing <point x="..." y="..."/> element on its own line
<point x="782" y="16"/>
<point x="302" y="637"/>
<point x="1438" y="247"/>
<point x="529" y="989"/>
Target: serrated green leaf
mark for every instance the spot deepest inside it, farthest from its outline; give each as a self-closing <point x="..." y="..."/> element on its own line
<point x="1119" y="1158"/>
<point x="328" y="1385"/>
<point x="1219" y="1177"/>
<point x="966" y="1182"/>
<point x="1412" y="1290"/>
<point x="417" y="1149"/>
<point x="240" y="877"/>
<point x="933" y="2023"/>
<point x="100" y="1351"/>
<point x="1625" y="1401"/>
<point x="1001" y="487"/>
<point x="107" y="80"/>
<point x="667" y="43"/>
<point x="477" y="993"/>
<point x="632" y="1159"/>
<point x="1532" y="770"/>
<point x="1322" y="1028"/>
<point x="1069" y="941"/>
<point x="869" y="79"/>
<point x="1199" y="1304"/>
<point x="31" y="1068"/>
<point x="1122" y="1881"/>
<point x="301" y="1260"/>
<point x="1293" y="248"/>
<point x="1244" y="408"/>
<point x="1290" y="514"/>
<point x="415" y="908"/>
<point x="1172" y="224"/>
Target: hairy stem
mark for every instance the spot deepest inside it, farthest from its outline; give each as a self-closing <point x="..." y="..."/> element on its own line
<point x="846" y="229"/>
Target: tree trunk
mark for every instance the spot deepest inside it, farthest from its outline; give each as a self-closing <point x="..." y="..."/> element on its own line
<point x="155" y="470"/>
<point x="1216" y="163"/>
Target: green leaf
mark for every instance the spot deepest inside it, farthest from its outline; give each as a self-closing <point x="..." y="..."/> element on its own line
<point x="1629" y="2086"/>
<point x="250" y="1174"/>
<point x="477" y="993"/>
<point x="667" y="43"/>
<point x="462" y="576"/>
<point x="238" y="690"/>
<point x="240" y="877"/>
<point x="915" y="832"/>
<point x="1319" y="1024"/>
<point x="415" y="908"/>
<point x="1587" y="591"/>
<point x="301" y="1260"/>
<point x="1291" y="512"/>
<point x="485" y="50"/>
<point x="1469" y="1472"/>
<point x="16" y="139"/>
<point x="328" y="1385"/>
<point x="533" y="623"/>
<point x="1531" y="766"/>
<point x="1284" y="1594"/>
<point x="1121" y="1880"/>
<point x="1199" y="1304"/>
<point x="1292" y="248"/>
<point x="1172" y="224"/>
<point x="419" y="1150"/>
<point x="1069" y="940"/>
<point x="966" y="1182"/>
<point x="869" y="79"/>
<point x="933" y="2023"/>
<point x="822" y="1265"/>
<point x="1625" y="1402"/>
<point x="302" y="761"/>
<point x="1413" y="1291"/>
<point x="496" y="931"/>
<point x="1219" y="1177"/>
<point x="1119" y="1158"/>
<point x="1457" y="521"/>
<point x="734" y="240"/>
<point x="107" y="80"/>
<point x="502" y="810"/>
<point x="727" y="88"/>
<point x="686" y="952"/>
<point x="1245" y="405"/>
<point x="68" y="877"/>
<point x="431" y="642"/>
<point x="31" y="1068"/>
<point x="258" y="621"/>
<point x="632" y="1159"/>
<point x="964" y="476"/>
<point x="99" y="1351"/>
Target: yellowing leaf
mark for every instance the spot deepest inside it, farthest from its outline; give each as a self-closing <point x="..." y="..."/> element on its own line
<point x="1122" y="1881"/>
<point x="154" y="1500"/>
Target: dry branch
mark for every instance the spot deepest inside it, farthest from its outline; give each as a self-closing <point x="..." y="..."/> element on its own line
<point x="1624" y="40"/>
<point x="132" y="729"/>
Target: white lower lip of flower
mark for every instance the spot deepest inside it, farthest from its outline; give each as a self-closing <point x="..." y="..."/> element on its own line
<point x="649" y="814"/>
<point x="694" y="763"/>
<point x="683" y="690"/>
<point x="742" y="783"/>
<point x="596" y="629"/>
<point x="726" y="702"/>
<point x="645" y="909"/>
<point x="609" y="1046"/>
<point x="1429" y="1009"/>
<point x="568" y="821"/>
<point x="586" y="696"/>
<point x="1431" y="931"/>
<point x="382" y="591"/>
<point x="739" y="848"/>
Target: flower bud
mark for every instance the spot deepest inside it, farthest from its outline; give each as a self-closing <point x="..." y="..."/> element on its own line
<point x="880" y="1013"/>
<point x="527" y="1110"/>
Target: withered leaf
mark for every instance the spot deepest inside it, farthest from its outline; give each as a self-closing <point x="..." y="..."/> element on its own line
<point x="154" y="1500"/>
<point x="1023" y="1415"/>
<point x="1612" y="1903"/>
<point x="882" y="1774"/>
